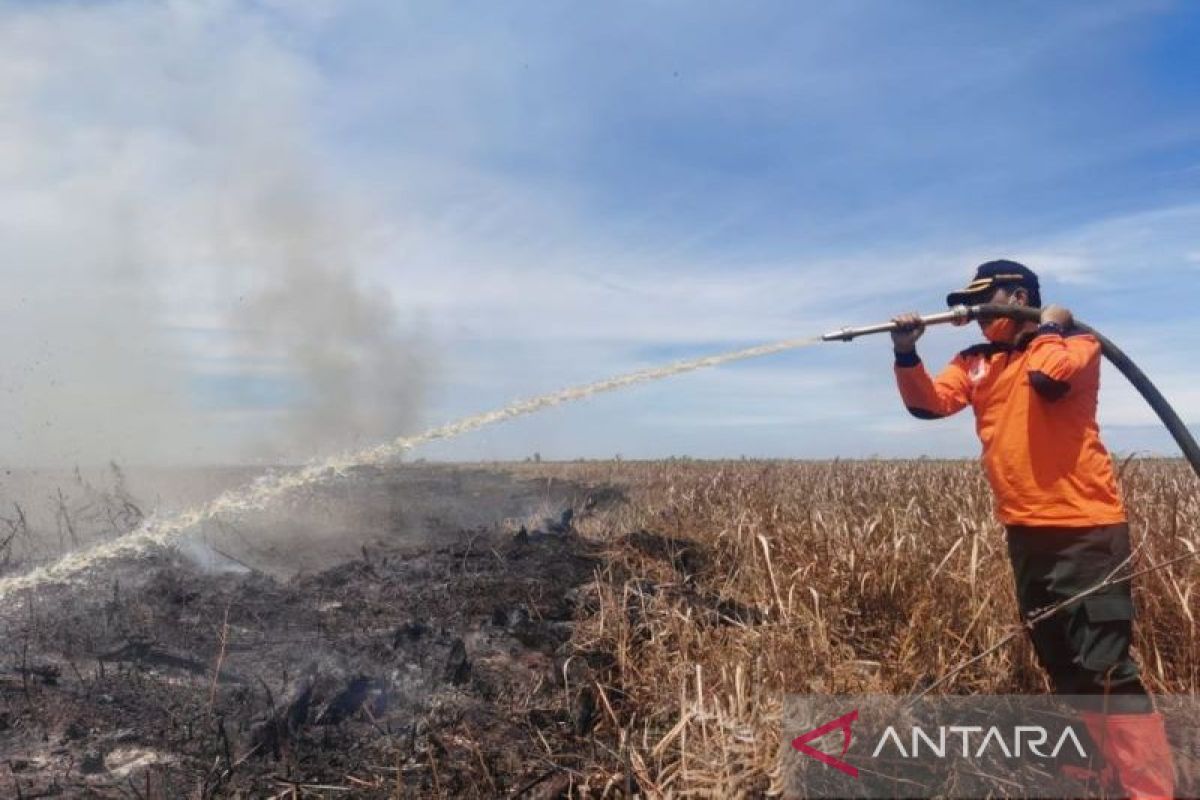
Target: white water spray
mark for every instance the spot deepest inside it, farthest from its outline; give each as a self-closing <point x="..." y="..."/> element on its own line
<point x="157" y="532"/>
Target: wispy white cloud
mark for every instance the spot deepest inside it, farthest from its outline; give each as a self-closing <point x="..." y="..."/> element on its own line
<point x="555" y="209"/>
<point x="1153" y="246"/>
<point x="851" y="384"/>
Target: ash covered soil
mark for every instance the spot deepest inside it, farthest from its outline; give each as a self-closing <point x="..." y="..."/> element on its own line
<point x="401" y="632"/>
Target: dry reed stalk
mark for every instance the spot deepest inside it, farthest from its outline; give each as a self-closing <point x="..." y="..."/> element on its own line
<point x="223" y="641"/>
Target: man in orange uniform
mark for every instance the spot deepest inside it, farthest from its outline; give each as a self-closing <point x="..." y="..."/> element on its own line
<point x="1034" y="391"/>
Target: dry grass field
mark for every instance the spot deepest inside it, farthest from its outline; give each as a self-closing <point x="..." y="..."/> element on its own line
<point x="727" y="585"/>
<point x="438" y="631"/>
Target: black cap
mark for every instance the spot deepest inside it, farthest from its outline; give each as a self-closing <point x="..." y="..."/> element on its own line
<point x="993" y="274"/>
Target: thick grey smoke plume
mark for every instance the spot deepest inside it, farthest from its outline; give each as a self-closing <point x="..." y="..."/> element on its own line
<point x="357" y="377"/>
<point x="183" y="279"/>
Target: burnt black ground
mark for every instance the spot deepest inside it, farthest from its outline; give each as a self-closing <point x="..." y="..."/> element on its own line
<point x="401" y="630"/>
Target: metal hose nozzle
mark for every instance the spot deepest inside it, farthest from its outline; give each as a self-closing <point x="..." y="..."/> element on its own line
<point x="957" y="315"/>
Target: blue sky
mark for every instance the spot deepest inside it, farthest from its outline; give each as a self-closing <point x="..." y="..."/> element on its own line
<point x="547" y="194"/>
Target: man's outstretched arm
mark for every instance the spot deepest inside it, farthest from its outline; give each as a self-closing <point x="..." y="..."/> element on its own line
<point x="932" y="398"/>
<point x="925" y="397"/>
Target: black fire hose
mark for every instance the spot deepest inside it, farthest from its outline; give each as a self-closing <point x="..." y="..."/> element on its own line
<point x="961" y="314"/>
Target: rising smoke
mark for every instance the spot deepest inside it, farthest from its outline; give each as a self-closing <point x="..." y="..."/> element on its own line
<point x="357" y="376"/>
<point x="184" y="282"/>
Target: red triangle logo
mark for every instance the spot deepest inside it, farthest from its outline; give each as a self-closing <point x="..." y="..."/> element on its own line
<point x="842" y="723"/>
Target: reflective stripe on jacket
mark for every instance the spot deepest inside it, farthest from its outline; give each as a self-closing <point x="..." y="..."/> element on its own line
<point x="1035" y="413"/>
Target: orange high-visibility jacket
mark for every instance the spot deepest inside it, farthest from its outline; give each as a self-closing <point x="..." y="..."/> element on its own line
<point x="1035" y="413"/>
